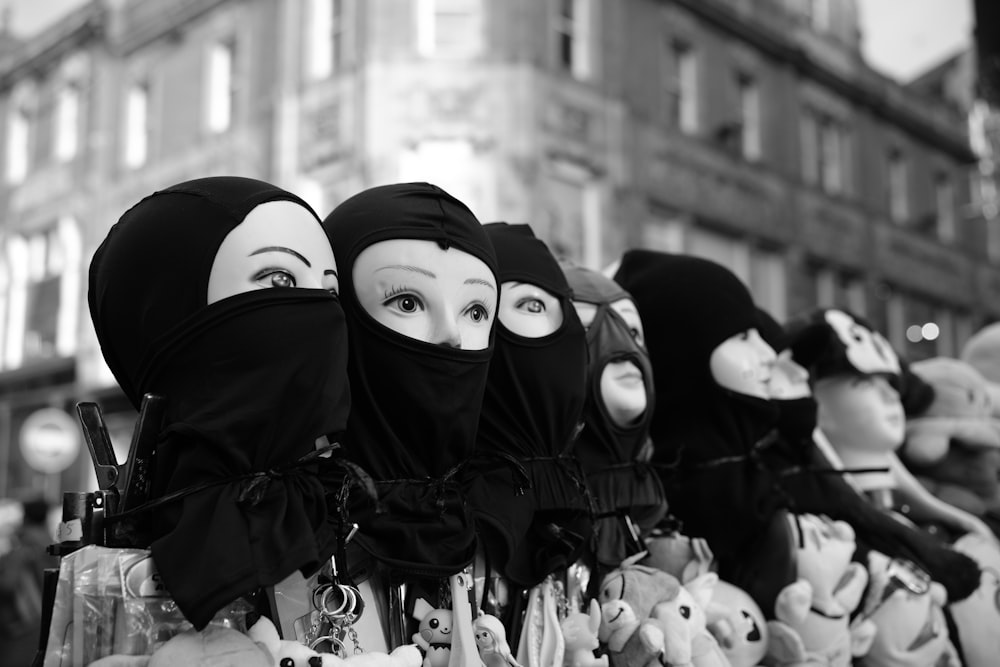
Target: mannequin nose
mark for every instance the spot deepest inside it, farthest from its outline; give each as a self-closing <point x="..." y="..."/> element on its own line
<point x="447" y="332"/>
<point x="764" y="350"/>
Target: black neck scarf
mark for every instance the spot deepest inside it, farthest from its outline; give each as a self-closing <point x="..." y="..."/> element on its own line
<point x="251" y="382"/>
<point x="707" y="436"/>
<point x="620" y="482"/>
<point x="534" y="398"/>
<point x="415" y="405"/>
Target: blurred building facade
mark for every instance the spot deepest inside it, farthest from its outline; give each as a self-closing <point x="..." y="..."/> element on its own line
<point x="751" y="132"/>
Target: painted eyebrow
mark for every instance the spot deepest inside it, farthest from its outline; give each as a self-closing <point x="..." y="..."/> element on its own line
<point x="407" y="267"/>
<point x="278" y="248"/>
<point x="480" y="281"/>
<point x="330" y="272"/>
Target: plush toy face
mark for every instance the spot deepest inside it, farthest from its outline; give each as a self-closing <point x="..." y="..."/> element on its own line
<point x="628" y="595"/>
<point x="977" y="617"/>
<point x="789" y="380"/>
<point x="742" y="363"/>
<point x="749" y="647"/>
<point x="435" y="627"/>
<point x="528" y="310"/>
<point x="278" y="244"/>
<point x="868" y="351"/>
<point x="860" y="411"/>
<point x="436" y="295"/>
<point x="825" y="550"/>
<point x="623" y="387"/>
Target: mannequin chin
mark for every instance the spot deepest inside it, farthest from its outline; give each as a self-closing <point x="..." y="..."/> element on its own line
<point x="742" y="363"/>
<point x="528" y="310"/>
<point x="423" y="291"/>
<point x="789" y="380"/>
<point x="623" y="391"/>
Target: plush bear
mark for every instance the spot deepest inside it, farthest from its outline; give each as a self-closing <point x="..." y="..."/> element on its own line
<point x="953" y="447"/>
<point x="813" y="613"/>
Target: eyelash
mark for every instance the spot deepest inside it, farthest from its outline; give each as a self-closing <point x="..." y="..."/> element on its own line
<point x="395" y="290"/>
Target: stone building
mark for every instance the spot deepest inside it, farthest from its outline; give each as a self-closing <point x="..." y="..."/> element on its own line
<point x="748" y="131"/>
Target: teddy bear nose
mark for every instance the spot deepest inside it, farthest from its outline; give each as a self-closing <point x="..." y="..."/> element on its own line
<point x="315" y="661"/>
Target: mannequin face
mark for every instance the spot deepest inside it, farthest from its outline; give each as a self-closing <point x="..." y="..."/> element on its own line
<point x="742" y="363"/>
<point x="860" y="411"/>
<point x="278" y="244"/>
<point x="528" y="310"/>
<point x="623" y="388"/>
<point x="789" y="380"/>
<point x="434" y="295"/>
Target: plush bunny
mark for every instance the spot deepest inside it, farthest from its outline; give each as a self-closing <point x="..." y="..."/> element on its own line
<point x="580" y="633"/>
<point x="953" y="447"/>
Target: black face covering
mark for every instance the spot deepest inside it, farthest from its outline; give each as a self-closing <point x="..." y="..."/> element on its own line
<point x="620" y="483"/>
<point x="415" y="405"/>
<point x="251" y="382"/>
<point x="534" y="397"/>
<point x="708" y="434"/>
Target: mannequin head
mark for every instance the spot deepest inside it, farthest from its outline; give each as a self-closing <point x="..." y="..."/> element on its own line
<point x="529" y="310"/>
<point x="622" y="384"/>
<point x="742" y="363"/>
<point x="278" y="244"/>
<point x="789" y="380"/>
<point x="860" y="412"/>
<point x="419" y="289"/>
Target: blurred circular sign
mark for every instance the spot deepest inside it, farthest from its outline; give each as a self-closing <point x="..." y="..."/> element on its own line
<point x="50" y="440"/>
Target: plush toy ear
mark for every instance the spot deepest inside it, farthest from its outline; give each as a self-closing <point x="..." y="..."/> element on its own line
<point x="784" y="647"/>
<point x="862" y="636"/>
<point x="264" y="633"/>
<point x="793" y="602"/>
<point x="702" y="587"/>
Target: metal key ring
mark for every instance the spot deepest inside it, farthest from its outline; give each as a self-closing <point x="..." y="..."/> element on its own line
<point x="339" y="648"/>
<point x="317" y="595"/>
<point x="334" y="590"/>
<point x="359" y="605"/>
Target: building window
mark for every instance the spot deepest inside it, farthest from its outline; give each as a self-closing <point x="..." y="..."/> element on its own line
<point x="18" y="137"/>
<point x="944" y="203"/>
<point x="682" y="87"/>
<point x="899" y="196"/>
<point x="573" y="37"/>
<point x="825" y="152"/>
<point x="450" y="28"/>
<point x="750" y="121"/>
<point x="220" y="86"/>
<point x="42" y="295"/>
<point x="326" y="40"/>
<point x="137" y="124"/>
<point x="838" y="289"/>
<point x="67" y="123"/>
<point x="575" y="230"/>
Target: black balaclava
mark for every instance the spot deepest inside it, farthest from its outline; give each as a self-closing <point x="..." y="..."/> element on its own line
<point x="250" y="381"/>
<point x="533" y="404"/>
<point x="820" y="348"/>
<point x="707" y="436"/>
<point x="416" y="405"/>
<point x="621" y="483"/>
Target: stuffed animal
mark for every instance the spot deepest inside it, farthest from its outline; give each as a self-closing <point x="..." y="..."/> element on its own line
<point x="434" y="637"/>
<point x="812" y="625"/>
<point x="580" y="633"/>
<point x="953" y="447"/>
<point x="215" y="646"/>
<point x="491" y="641"/>
<point x="684" y="625"/>
<point x="982" y="352"/>
<point x="627" y="596"/>
<point x="977" y="617"/>
<point x="738" y="624"/>
<point x="911" y="625"/>
<point x="287" y="653"/>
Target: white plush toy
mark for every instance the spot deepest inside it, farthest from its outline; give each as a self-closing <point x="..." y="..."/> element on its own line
<point x="263" y="632"/>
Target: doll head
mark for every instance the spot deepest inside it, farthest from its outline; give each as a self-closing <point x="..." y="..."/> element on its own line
<point x="855" y="375"/>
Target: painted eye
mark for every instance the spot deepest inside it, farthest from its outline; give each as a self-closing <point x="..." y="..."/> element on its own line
<point x="276" y="278"/>
<point x="534" y="306"/>
<point x="434" y="623"/>
<point x="478" y="313"/>
<point x="685" y="611"/>
<point x="406" y="303"/>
